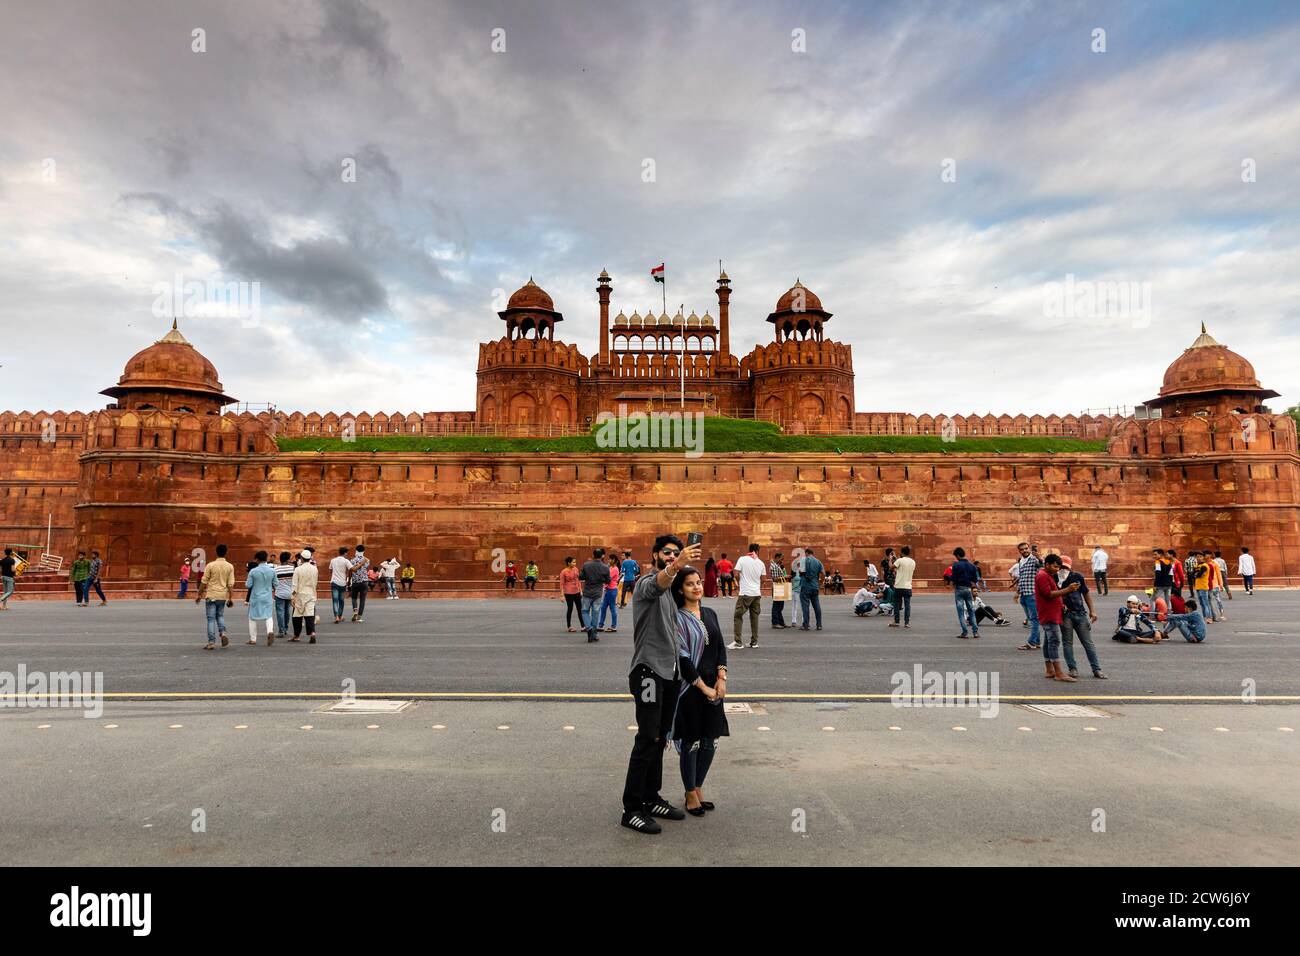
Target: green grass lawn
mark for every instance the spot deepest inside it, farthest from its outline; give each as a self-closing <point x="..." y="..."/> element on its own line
<point x="719" y="435"/>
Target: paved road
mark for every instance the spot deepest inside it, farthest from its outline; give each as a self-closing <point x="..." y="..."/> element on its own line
<point x="498" y="646"/>
<point x="80" y="793"/>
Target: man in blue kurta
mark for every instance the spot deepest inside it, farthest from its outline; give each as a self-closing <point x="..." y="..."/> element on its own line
<point x="261" y="599"/>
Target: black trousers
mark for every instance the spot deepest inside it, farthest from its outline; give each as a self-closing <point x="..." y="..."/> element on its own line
<point x="298" y="623"/>
<point x="656" y="703"/>
<point x="572" y="602"/>
<point x="1099" y="579"/>
<point x="359" y="595"/>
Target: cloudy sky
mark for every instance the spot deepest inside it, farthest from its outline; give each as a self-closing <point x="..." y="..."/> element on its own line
<point x="932" y="171"/>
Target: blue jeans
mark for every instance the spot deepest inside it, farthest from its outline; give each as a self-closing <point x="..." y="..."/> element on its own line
<point x="337" y="593"/>
<point x="1051" y="641"/>
<point x="965" y="602"/>
<point x="99" y="589"/>
<point x="216" y="614"/>
<point x="1076" y="622"/>
<point x="391" y="584"/>
<point x="1031" y="614"/>
<point x="8" y="588"/>
<point x="610" y="603"/>
<point x="1191" y="626"/>
<point x="696" y="758"/>
<point x="902" y="604"/>
<point x="283" y="616"/>
<point x="589" y="614"/>
<point x="1167" y="594"/>
<point x="1203" y="599"/>
<point x="815" y="599"/>
<point x="185" y="586"/>
<point x="1248" y="580"/>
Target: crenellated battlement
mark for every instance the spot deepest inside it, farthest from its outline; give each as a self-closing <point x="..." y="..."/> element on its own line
<point x="531" y="353"/>
<point x="160" y="430"/>
<point x="659" y="365"/>
<point x="20" y="424"/>
<point x="980" y="426"/>
<point x="1194" y="435"/>
<point x="798" y="354"/>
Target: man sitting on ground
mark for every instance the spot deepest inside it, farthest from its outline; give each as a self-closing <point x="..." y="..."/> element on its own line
<point x="865" y="601"/>
<point x="985" y="613"/>
<point x="1191" y="625"/>
<point x="1133" y="626"/>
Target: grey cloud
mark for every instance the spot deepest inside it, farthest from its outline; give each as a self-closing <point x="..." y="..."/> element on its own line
<point x="329" y="275"/>
<point x="351" y="25"/>
<point x="176" y="153"/>
<point x="372" y="165"/>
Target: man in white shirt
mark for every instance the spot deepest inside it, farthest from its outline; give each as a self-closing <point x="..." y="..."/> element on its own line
<point x="904" y="569"/>
<point x="1100" y="559"/>
<point x="340" y="572"/>
<point x="1246" y="568"/>
<point x="749" y="570"/>
<point x="865" y="601"/>
<point x="388" y="571"/>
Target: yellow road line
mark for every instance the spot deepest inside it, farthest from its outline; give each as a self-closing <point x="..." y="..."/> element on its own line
<point x="559" y="695"/>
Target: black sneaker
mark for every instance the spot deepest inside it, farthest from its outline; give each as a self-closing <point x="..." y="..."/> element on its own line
<point x="641" y="823"/>
<point x="664" y="810"/>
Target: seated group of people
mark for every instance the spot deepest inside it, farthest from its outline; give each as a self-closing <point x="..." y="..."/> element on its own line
<point x="1135" y="624"/>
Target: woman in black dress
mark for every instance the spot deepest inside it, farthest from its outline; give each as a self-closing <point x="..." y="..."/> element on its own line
<point x="702" y="659"/>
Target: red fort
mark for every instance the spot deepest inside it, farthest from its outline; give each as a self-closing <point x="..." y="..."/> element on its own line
<point x="163" y="470"/>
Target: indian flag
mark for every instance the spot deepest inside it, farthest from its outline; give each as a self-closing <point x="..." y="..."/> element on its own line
<point x="657" y="273"/>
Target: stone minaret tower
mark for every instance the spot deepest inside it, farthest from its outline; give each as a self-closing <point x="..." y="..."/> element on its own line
<point x="603" y="289"/>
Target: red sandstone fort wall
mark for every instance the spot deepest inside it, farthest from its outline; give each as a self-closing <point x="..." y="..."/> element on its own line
<point x="145" y="488"/>
<point x="449" y="513"/>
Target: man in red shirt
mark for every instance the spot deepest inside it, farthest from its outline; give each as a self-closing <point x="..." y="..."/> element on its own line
<point x="1180" y="575"/>
<point x="726" y="580"/>
<point x="1051" y="610"/>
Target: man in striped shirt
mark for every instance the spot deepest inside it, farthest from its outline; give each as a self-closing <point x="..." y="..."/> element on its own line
<point x="283" y="595"/>
<point x="1026" y="571"/>
<point x="777" y="572"/>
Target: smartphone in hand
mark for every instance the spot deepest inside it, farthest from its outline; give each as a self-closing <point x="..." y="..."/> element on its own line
<point x="693" y="538"/>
